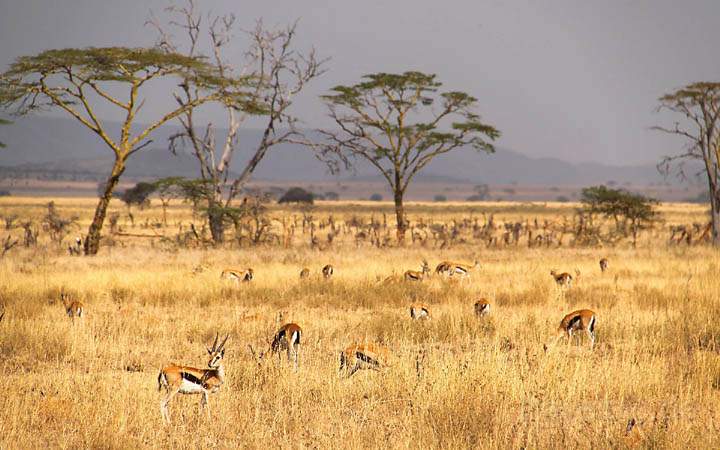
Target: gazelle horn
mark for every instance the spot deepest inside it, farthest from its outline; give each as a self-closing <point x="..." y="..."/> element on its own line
<point x="222" y="344"/>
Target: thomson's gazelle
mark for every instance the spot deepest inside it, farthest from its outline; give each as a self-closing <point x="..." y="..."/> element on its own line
<point x="327" y="271"/>
<point x="482" y="307"/>
<point x="580" y="320"/>
<point x="287" y="338"/>
<point x="73" y="308"/>
<point x="363" y="356"/>
<point x="238" y="275"/>
<point x="419" y="311"/>
<point x="415" y="275"/>
<point x="190" y="380"/>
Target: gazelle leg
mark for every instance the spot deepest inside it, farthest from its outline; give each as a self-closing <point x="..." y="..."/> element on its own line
<point x="591" y="335"/>
<point x="205" y="403"/>
<point x="296" y="351"/>
<point x="164" y="404"/>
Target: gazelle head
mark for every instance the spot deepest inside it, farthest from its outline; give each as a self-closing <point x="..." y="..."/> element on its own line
<point x="553" y="273"/>
<point x="249" y="274"/>
<point x="216" y="352"/>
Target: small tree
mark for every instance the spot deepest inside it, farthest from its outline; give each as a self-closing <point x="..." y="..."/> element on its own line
<point x="297" y="195"/>
<point x="699" y="106"/>
<point x="168" y="189"/>
<point x="138" y="194"/>
<point x="389" y="120"/>
<point x="376" y="197"/>
<point x="630" y="212"/>
<point x="77" y="81"/>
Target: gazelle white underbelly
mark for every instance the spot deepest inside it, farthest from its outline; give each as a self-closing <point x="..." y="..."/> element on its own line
<point x="188" y="387"/>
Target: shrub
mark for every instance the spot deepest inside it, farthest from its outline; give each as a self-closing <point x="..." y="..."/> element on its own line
<point x="440" y="198"/>
<point x="376" y="198"/>
<point x="297" y="195"/>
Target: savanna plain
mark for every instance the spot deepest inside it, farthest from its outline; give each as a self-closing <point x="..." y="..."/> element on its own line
<point x="453" y="381"/>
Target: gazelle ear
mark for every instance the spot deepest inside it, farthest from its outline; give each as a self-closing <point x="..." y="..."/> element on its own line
<point x="222" y="352"/>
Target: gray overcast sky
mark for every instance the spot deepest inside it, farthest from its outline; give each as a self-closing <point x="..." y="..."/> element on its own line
<point x="564" y="78"/>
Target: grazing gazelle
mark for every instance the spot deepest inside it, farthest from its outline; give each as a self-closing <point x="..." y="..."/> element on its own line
<point x="563" y="279"/>
<point x="238" y="275"/>
<point x="305" y="273"/>
<point x="363" y="356"/>
<point x="415" y="275"/>
<point x="580" y="320"/>
<point x="603" y="265"/>
<point x="287" y="338"/>
<point x="190" y="380"/>
<point x="327" y="271"/>
<point x="482" y="307"/>
<point x="419" y="311"/>
<point x="73" y="308"/>
<point x="450" y="268"/>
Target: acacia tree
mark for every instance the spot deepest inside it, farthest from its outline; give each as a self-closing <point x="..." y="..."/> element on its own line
<point x="699" y="105"/>
<point x="399" y="123"/>
<point x="77" y="81"/>
<point x="280" y="72"/>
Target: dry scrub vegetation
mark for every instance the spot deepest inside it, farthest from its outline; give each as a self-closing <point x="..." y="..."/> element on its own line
<point x="454" y="381"/>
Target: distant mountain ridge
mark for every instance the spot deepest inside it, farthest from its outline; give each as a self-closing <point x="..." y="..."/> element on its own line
<point x="61" y="144"/>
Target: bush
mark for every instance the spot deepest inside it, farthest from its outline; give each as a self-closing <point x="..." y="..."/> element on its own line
<point x="376" y="198"/>
<point x="562" y="199"/>
<point x="297" y="195"/>
<point x="139" y="194"/>
<point x="5" y="194"/>
<point x="334" y="196"/>
<point x="440" y="198"/>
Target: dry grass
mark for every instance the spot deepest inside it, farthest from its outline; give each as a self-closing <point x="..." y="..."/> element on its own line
<point x="454" y="381"/>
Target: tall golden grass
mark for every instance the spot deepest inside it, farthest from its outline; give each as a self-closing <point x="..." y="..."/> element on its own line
<point x="453" y="381"/>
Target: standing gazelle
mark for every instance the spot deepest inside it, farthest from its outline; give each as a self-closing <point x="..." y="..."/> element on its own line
<point x="603" y="265"/>
<point x="415" y="275"/>
<point x="327" y="271"/>
<point x="73" y="308"/>
<point x="190" y="380"/>
<point x="450" y="268"/>
<point x="363" y="356"/>
<point x="580" y="320"/>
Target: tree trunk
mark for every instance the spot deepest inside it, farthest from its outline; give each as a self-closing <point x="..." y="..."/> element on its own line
<point x="715" y="216"/>
<point x="92" y="241"/>
<point x="400" y="217"/>
<point x="217" y="226"/>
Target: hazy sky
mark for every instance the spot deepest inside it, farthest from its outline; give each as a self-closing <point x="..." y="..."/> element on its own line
<point x="574" y="79"/>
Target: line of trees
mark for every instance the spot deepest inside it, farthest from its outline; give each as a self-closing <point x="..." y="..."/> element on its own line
<point x="397" y="122"/>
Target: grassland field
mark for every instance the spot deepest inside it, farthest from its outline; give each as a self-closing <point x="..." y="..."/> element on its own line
<point x="454" y="381"/>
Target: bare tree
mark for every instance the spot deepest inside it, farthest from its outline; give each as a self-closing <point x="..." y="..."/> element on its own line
<point x="280" y="72"/>
<point x="389" y="121"/>
<point x="699" y="104"/>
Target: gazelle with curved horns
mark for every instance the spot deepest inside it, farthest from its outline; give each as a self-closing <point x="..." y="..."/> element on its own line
<point x="415" y="275"/>
<point x="287" y="338"/>
<point x="580" y="320"/>
<point x="363" y="356"/>
<point x="190" y="380"/>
